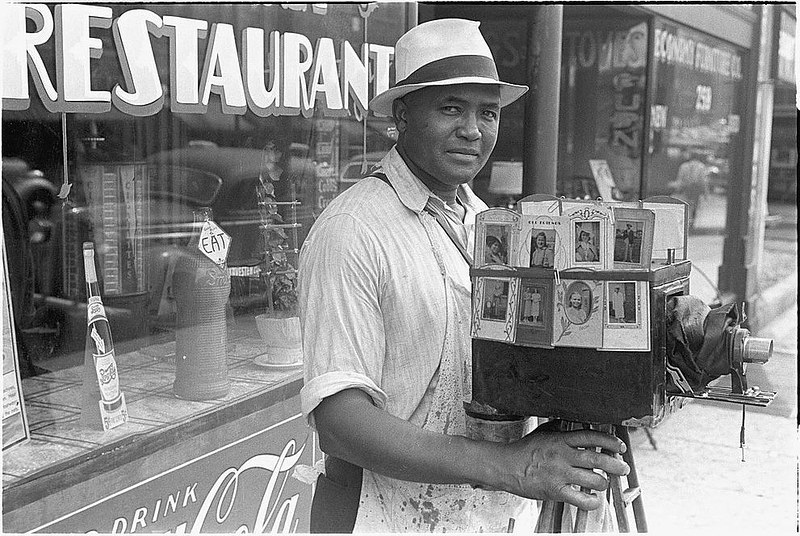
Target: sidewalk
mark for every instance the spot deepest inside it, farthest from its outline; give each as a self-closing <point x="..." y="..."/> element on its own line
<point x="694" y="481"/>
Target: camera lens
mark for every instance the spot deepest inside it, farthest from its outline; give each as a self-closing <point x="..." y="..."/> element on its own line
<point x="756" y="350"/>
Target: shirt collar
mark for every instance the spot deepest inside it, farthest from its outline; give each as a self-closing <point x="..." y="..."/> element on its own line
<point x="414" y="194"/>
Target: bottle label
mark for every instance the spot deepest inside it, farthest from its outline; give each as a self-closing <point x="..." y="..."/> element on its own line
<point x="95" y="309"/>
<point x="113" y="413"/>
<point x="106" y="368"/>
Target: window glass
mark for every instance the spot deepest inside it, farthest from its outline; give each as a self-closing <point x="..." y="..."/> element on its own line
<point x="143" y="115"/>
<point x="695" y="121"/>
<point x="603" y="80"/>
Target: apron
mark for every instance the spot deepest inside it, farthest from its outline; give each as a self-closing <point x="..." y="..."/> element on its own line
<point x="390" y="505"/>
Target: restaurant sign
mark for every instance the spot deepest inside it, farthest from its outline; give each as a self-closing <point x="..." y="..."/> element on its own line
<point x="255" y="485"/>
<point x="267" y="73"/>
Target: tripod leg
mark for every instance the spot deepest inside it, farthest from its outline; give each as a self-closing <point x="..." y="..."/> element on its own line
<point x="633" y="479"/>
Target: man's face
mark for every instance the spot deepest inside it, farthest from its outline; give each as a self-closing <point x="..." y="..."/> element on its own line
<point x="450" y="131"/>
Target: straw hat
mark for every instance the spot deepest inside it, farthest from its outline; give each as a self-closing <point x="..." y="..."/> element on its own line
<point x="443" y="52"/>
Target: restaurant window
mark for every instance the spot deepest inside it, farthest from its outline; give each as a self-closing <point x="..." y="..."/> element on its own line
<point x="695" y="123"/>
<point x="144" y="122"/>
<point x="603" y="83"/>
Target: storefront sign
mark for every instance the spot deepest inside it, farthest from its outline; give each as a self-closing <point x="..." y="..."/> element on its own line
<point x="675" y="49"/>
<point x="245" y="487"/>
<point x="265" y="72"/>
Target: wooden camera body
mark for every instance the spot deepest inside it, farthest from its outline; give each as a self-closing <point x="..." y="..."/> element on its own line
<point x="524" y="376"/>
<point x="569" y="309"/>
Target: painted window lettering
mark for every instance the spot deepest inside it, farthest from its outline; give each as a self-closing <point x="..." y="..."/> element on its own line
<point x="298" y="71"/>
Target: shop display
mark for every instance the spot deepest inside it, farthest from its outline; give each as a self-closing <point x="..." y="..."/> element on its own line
<point x="202" y="287"/>
<point x="103" y="403"/>
<point x="279" y="325"/>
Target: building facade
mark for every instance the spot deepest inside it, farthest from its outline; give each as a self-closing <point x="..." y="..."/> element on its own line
<point x="123" y="124"/>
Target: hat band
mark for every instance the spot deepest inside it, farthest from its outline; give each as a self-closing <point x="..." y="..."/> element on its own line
<point x="452" y="67"/>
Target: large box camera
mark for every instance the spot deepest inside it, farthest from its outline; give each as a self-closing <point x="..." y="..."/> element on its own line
<point x="573" y="303"/>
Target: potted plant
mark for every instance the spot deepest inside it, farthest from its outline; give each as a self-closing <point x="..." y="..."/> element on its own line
<point x="279" y="325"/>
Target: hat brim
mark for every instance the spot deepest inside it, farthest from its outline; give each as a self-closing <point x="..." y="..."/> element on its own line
<point x="382" y="103"/>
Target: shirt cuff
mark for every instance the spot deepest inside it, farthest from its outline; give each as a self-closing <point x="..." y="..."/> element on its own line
<point x="330" y="383"/>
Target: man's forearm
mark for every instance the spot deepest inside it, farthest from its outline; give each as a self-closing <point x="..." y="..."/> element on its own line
<point x="542" y="465"/>
<point x="352" y="428"/>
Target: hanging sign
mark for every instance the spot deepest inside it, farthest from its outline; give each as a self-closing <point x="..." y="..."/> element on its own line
<point x="214" y="242"/>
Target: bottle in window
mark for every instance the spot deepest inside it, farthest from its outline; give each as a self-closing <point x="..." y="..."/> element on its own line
<point x="202" y="288"/>
<point x="103" y="405"/>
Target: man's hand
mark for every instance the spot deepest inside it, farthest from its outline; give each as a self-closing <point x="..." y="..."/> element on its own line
<point x="548" y="464"/>
<point x="545" y="464"/>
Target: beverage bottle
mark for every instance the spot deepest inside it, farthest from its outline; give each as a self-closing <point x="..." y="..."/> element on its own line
<point x="202" y="288"/>
<point x="103" y="406"/>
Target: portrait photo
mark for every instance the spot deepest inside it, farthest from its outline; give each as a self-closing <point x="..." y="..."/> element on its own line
<point x="578" y="302"/>
<point x="532" y="308"/>
<point x="587" y="242"/>
<point x="495" y="300"/>
<point x="543" y="247"/>
<point x="496" y="244"/>
<point x="633" y="238"/>
<point x="628" y="241"/>
<point x="621" y="300"/>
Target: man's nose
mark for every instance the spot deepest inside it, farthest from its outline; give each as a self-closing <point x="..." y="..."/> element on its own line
<point x="468" y="128"/>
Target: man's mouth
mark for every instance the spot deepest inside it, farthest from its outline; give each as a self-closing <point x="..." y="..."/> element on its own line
<point x="464" y="152"/>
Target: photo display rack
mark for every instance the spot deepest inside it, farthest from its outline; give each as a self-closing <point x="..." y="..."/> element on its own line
<point x="568" y="306"/>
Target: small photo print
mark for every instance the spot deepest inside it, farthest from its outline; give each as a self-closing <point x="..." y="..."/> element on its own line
<point x="622" y="303"/>
<point x="498" y="239"/>
<point x="628" y="235"/>
<point x="495" y="300"/>
<point x="578" y="301"/>
<point x="543" y="247"/>
<point x="532" y="310"/>
<point x="587" y="242"/>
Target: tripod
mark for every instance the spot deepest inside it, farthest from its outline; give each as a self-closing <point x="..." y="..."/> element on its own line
<point x="552" y="514"/>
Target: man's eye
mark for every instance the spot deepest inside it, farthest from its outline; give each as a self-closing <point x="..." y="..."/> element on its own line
<point x="490" y="114"/>
<point x="450" y="109"/>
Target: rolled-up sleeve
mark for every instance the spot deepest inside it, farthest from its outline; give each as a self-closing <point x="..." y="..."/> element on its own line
<point x="340" y="273"/>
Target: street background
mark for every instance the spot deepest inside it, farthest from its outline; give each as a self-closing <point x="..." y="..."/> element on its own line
<point x="693" y="480"/>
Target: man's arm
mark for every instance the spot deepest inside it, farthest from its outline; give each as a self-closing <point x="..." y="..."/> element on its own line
<point x="542" y="465"/>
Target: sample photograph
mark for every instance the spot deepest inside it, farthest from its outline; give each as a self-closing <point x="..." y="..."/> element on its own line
<point x="628" y="241"/>
<point x="587" y="242"/>
<point x="543" y="246"/>
<point x="495" y="300"/>
<point x="532" y="311"/>
<point x="496" y="244"/>
<point x="622" y="303"/>
<point x="578" y="302"/>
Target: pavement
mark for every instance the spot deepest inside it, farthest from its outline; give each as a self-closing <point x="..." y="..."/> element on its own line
<point x="692" y="476"/>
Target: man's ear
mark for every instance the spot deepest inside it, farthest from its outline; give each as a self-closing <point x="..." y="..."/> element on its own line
<point x="399" y="113"/>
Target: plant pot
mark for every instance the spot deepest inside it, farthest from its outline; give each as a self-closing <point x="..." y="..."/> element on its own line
<point x="283" y="344"/>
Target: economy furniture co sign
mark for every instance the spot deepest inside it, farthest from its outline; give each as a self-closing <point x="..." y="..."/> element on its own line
<point x="280" y="73"/>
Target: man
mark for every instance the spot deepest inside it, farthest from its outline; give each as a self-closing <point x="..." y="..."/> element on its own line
<point x="691" y="183"/>
<point x="385" y="308"/>
<point x="629" y="237"/>
<point x="618" y="304"/>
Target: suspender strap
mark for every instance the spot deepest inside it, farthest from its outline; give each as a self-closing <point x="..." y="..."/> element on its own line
<point x="440" y="218"/>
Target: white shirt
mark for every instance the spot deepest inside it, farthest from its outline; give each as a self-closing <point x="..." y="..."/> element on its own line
<point x="385" y="308"/>
<point x="377" y="320"/>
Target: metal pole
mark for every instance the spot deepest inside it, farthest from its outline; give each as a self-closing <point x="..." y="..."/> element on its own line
<point x="540" y="158"/>
<point x="747" y="200"/>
